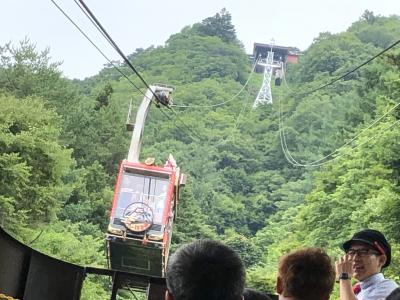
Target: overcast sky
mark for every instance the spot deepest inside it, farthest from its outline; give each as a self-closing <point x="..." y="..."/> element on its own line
<point x="142" y="23"/>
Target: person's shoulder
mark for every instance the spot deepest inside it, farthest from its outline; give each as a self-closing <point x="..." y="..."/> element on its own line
<point x="384" y="288"/>
<point x="391" y="283"/>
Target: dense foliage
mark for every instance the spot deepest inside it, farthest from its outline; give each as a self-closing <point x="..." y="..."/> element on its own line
<point x="61" y="142"/>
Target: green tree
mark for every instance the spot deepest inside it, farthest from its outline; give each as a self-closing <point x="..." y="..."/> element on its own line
<point x="219" y="25"/>
<point x="24" y="71"/>
<point x="90" y="197"/>
<point x="245" y="247"/>
<point x="34" y="162"/>
<point x="103" y="98"/>
<point x="368" y="16"/>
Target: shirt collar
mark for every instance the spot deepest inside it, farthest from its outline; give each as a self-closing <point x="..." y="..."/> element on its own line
<point x="373" y="279"/>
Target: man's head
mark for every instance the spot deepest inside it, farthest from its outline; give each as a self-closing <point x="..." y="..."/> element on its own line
<point x="205" y="270"/>
<point x="369" y="251"/>
<point x="250" y="294"/>
<point x="306" y="274"/>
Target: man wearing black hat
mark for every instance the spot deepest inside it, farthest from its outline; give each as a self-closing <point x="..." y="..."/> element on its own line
<point x="367" y="253"/>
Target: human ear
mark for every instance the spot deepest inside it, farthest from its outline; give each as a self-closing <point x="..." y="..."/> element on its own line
<point x="279" y="285"/>
<point x="382" y="259"/>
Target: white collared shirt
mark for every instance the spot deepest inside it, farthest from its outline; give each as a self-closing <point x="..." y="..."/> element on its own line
<point x="376" y="287"/>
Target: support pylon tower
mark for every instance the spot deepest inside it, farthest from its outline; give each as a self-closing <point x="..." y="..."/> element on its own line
<point x="265" y="95"/>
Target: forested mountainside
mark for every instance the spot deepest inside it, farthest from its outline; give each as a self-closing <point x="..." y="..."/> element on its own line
<point x="61" y="142"/>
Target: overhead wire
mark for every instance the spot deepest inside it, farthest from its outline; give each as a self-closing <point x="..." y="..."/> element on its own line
<point x="199" y="138"/>
<point x="93" y="22"/>
<point x="224" y="102"/>
<point x="105" y="34"/>
<point x="282" y="137"/>
<point x="351" y="71"/>
<point x="284" y="147"/>
<point x="236" y="124"/>
<point x="115" y="46"/>
<point x="97" y="48"/>
<point x="98" y="26"/>
<point x="319" y="162"/>
<point x="101" y="28"/>
<point x="227" y="101"/>
<point x="102" y="53"/>
<point x="284" y="80"/>
<point x="374" y="136"/>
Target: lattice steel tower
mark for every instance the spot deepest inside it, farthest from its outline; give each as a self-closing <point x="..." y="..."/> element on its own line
<point x="265" y="95"/>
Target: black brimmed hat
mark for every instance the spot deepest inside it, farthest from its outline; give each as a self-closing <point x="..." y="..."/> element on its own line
<point x="373" y="238"/>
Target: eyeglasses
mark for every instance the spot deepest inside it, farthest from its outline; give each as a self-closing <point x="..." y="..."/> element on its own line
<point x="362" y="252"/>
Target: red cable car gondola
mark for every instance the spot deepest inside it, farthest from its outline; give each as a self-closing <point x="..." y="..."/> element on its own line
<point x="144" y="207"/>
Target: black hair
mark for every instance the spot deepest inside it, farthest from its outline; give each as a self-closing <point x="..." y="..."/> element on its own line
<point x="250" y="294"/>
<point x="205" y="270"/>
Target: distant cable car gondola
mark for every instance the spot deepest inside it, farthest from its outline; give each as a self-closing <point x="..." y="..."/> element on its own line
<point x="144" y="205"/>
